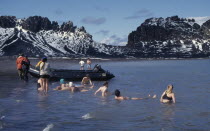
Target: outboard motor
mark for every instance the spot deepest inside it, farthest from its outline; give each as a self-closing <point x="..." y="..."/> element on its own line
<point x="97" y="68"/>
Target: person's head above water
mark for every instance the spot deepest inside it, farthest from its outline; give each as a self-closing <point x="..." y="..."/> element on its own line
<point x="105" y="83"/>
<point x="169" y="89"/>
<point x="62" y="81"/>
<point x="44" y="59"/>
<point x="117" y="93"/>
<point x="71" y="84"/>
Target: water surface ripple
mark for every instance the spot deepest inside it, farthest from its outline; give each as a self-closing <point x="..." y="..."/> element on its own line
<point x="22" y="108"/>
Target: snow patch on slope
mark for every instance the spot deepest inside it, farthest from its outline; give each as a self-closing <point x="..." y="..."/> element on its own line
<point x="200" y="20"/>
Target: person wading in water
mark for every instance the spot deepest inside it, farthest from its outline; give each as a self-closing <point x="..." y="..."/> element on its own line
<point x="19" y="64"/>
<point x="45" y="74"/>
<point x="168" y="95"/>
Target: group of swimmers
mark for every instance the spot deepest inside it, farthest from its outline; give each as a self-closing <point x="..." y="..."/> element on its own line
<point x="104" y="91"/>
<point x="86" y="84"/>
<point x="43" y="82"/>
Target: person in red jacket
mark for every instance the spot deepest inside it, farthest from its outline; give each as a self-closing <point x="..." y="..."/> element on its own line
<point x="25" y="67"/>
<point x="19" y="64"/>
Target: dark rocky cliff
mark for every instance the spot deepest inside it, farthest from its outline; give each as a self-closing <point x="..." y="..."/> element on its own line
<point x="170" y="37"/>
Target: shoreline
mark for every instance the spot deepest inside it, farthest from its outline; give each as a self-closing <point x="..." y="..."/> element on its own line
<point x="103" y="59"/>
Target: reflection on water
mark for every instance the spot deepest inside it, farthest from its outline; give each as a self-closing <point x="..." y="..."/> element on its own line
<point x="23" y="108"/>
<point x="87" y="116"/>
<point x="49" y="127"/>
<point x="168" y="116"/>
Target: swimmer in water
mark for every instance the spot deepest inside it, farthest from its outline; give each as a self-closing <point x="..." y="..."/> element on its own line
<point x="168" y="95"/>
<point x="86" y="81"/>
<point x="103" y="89"/>
<point x="71" y="88"/>
<point x="119" y="97"/>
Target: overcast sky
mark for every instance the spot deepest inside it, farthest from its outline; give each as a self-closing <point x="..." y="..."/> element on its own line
<point x="107" y="21"/>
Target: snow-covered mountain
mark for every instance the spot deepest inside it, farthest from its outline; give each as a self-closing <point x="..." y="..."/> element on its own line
<point x="155" y="38"/>
<point x="170" y="37"/>
<point x="37" y="36"/>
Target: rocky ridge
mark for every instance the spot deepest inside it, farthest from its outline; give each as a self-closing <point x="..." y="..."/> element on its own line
<point x="38" y="36"/>
<point x="170" y="37"/>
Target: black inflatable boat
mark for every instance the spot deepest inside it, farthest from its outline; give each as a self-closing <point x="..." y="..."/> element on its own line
<point x="97" y="74"/>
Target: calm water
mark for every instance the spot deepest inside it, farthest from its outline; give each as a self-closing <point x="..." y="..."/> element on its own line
<point x="22" y="108"/>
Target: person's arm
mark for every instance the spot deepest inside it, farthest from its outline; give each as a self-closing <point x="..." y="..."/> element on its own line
<point x="25" y="59"/>
<point x="82" y="81"/>
<point x="97" y="91"/>
<point x="173" y="98"/>
<point x="41" y="65"/>
<point x="90" y="82"/>
<point x="92" y="86"/>
<point x="134" y="98"/>
<point x="161" y="98"/>
<point x="125" y="98"/>
<point x="83" y="90"/>
<point x="38" y="64"/>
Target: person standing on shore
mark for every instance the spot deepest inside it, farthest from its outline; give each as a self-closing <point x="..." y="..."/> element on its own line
<point x="19" y="64"/>
<point x="82" y="63"/>
<point x="88" y="64"/>
<point x="45" y="74"/>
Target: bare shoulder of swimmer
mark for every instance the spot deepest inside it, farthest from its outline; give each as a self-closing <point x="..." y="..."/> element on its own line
<point x="122" y="98"/>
